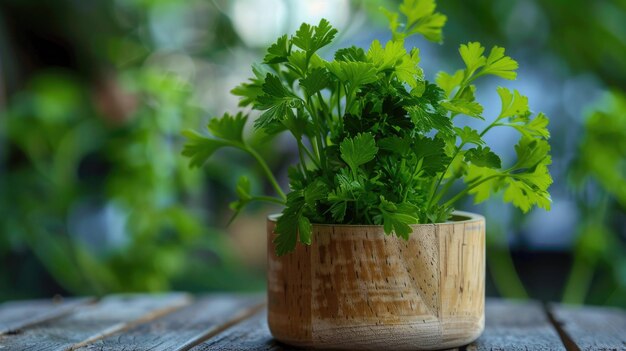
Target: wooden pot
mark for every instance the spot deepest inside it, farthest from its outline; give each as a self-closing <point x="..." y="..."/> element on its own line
<point x="357" y="288"/>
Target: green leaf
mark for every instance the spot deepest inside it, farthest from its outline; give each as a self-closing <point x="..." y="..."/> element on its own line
<point x="513" y="103"/>
<point x="394" y="58"/>
<point x="449" y="82"/>
<point x="250" y="91"/>
<point x="469" y="135"/>
<point x="229" y="127"/>
<point x="312" y="38"/>
<point x="433" y="152"/>
<point x="397" y="218"/>
<point x="426" y="119"/>
<point x="408" y="71"/>
<point x="316" y="80"/>
<point x="526" y="184"/>
<point x="278" y="52"/>
<point x="314" y="192"/>
<point x="338" y="211"/>
<point x="387" y="57"/>
<point x="472" y="55"/>
<point x="500" y="65"/>
<point x="289" y="223"/>
<point x="358" y="150"/>
<point x="200" y="148"/>
<point x="534" y="128"/>
<point x="395" y="144"/>
<point x="483" y="157"/>
<point x="530" y="152"/>
<point x="489" y="181"/>
<point x="277" y="100"/>
<point x="305" y="230"/>
<point x="531" y="189"/>
<point x="298" y="62"/>
<point x="422" y="19"/>
<point x="464" y="107"/>
<point x="354" y="74"/>
<point x="352" y="53"/>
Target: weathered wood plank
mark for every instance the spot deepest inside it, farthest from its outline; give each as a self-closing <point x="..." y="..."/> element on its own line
<point x="93" y="322"/>
<point x="592" y="328"/>
<point x="513" y="325"/>
<point x="16" y="315"/>
<point x="184" y="328"/>
<point x="251" y="334"/>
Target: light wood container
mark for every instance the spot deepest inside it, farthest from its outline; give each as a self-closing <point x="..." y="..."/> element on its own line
<point x="357" y="288"/>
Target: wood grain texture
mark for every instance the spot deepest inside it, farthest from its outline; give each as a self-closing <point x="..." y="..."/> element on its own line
<point x="93" y="322"/>
<point x="16" y="315"/>
<point x="592" y="328"/>
<point x="183" y="328"/>
<point x="251" y="334"/>
<point x="357" y="288"/>
<point x="516" y="326"/>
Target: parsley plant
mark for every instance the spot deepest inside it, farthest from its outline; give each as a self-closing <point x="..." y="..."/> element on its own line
<point x="377" y="142"/>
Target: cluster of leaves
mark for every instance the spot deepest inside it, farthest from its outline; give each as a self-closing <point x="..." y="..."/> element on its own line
<point x="377" y="142"/>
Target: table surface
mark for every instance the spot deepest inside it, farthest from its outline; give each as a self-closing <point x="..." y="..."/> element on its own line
<point x="180" y="321"/>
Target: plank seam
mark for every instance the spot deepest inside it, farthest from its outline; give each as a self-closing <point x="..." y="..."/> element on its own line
<point x="238" y="318"/>
<point x="130" y="324"/>
<point x="566" y="339"/>
<point x="48" y="317"/>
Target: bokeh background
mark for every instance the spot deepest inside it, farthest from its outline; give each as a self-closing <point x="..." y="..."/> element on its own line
<point x="95" y="197"/>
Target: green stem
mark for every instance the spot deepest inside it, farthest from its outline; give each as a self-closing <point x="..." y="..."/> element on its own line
<point x="319" y="131"/>
<point x="435" y="189"/>
<point x="302" y="159"/>
<point x="267" y="171"/>
<point x="310" y="154"/>
<point x="460" y="195"/>
<point x="268" y="199"/>
<point x="444" y="190"/>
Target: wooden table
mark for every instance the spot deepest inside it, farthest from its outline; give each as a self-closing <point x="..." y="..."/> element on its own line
<point x="179" y="321"/>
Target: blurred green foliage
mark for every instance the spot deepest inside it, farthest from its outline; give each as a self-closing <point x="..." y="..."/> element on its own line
<point x="69" y="168"/>
<point x="91" y="177"/>
<point x="598" y="177"/>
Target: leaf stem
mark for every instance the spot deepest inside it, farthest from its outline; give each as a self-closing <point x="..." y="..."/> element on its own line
<point x="443" y="174"/>
<point x="461" y="194"/>
<point x="268" y="199"/>
<point x="267" y="171"/>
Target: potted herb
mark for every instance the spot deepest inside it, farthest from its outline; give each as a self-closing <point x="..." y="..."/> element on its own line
<point x="384" y="261"/>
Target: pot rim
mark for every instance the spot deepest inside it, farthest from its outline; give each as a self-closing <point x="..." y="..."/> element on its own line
<point x="464" y="217"/>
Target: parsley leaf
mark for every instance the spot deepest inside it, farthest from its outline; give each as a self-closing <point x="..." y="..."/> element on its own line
<point x="279" y="51"/>
<point x="449" y="82"/>
<point x="469" y="135"/>
<point x="396" y="218"/>
<point x="312" y="38"/>
<point x="432" y="152"/>
<point x="277" y="101"/>
<point x="500" y="65"/>
<point x="358" y="150"/>
<point x="472" y="55"/>
<point x="483" y="157"/>
<point x="229" y="127"/>
<point x="200" y="148"/>
<point x="513" y="104"/>
<point x="315" y="81"/>
<point x="421" y="18"/>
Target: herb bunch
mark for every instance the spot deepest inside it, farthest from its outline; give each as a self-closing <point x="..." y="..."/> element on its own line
<point x="377" y="142"/>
